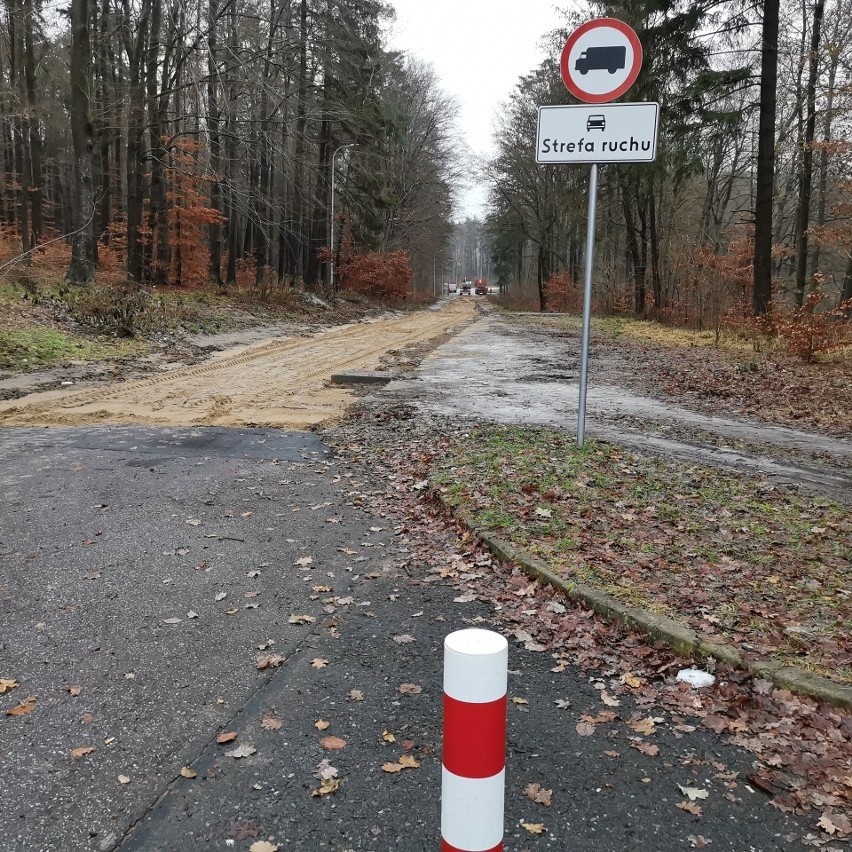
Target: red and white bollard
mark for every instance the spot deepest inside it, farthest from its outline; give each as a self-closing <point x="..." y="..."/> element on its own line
<point x="474" y="757"/>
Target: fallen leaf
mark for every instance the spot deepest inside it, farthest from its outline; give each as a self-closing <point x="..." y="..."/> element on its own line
<point x="347" y="550"/>
<point x="226" y="737"/>
<point x="410" y="689"/>
<point x="244" y="750"/>
<point x="321" y="724"/>
<point x="609" y="700"/>
<point x="301" y="619"/>
<point x="81" y="751"/>
<point x="537" y="793"/>
<point x="698" y="842"/>
<point x="87" y="719"/>
<point x="7" y="683"/>
<point x="221" y="596"/>
<point x="356" y="695"/>
<point x="192" y="614"/>
<point x="24" y="708"/>
<point x="470" y="596"/>
<point x="269" y="661"/>
<point x="408" y="761"/>
<point x="74" y="689"/>
<point x="319" y="662"/>
<point x="562" y="703"/>
<point x="263" y="846"/>
<point x="651" y="750"/>
<point x="329" y="785"/>
<point x="534" y="827"/>
<point x="543" y="513"/>
<point x="325" y="770"/>
<point x="391" y="767"/>
<point x="516" y="700"/>
<point x="632" y="681"/>
<point x="193" y="522"/>
<point x="645" y="726"/>
<point x="304" y="560"/>
<point x="188" y="772"/>
<point x="388" y="737"/>
<point x="333" y="743"/>
<point x="172" y="620"/>
<point x="693" y="793"/>
<point x="403" y="639"/>
<point x="123" y="779"/>
<point x="271" y="723"/>
<point x="321" y="589"/>
<point x="242" y="830"/>
<point x="612" y="753"/>
<point x="694" y="809"/>
<point x="585" y="729"/>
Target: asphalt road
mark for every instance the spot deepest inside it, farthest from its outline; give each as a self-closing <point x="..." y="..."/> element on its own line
<point x="142" y="573"/>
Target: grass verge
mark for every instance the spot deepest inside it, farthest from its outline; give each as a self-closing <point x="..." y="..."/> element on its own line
<point x="735" y="558"/>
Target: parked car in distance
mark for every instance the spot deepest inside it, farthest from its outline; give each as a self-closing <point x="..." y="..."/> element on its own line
<point x="466" y="288"/>
<point x="452" y="288"/>
<point x="481" y="288"/>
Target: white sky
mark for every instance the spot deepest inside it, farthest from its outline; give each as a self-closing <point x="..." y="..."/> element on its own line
<point x="479" y="49"/>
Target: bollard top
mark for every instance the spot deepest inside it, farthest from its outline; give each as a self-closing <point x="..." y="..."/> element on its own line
<point x="475" y="664"/>
<point x="475" y="641"/>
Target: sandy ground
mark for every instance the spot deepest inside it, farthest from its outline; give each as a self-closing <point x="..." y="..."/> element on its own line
<point x="282" y="382"/>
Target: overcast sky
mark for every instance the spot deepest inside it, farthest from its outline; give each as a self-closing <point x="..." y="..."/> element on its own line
<point x="479" y="49"/>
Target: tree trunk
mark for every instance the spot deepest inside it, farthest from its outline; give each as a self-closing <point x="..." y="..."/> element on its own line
<point x="215" y="228"/>
<point x="804" y="212"/>
<point x="764" y="182"/>
<point x="34" y="140"/>
<point x="20" y="125"/>
<point x="157" y="248"/>
<point x="81" y="270"/>
<point x="135" y="154"/>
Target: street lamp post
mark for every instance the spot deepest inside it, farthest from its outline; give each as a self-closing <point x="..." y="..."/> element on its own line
<point x="331" y="230"/>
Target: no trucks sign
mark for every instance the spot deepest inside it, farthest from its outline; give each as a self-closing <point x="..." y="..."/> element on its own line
<point x="600" y="62"/>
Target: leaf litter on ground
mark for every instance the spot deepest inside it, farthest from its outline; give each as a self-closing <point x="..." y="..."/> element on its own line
<point x="802" y="746"/>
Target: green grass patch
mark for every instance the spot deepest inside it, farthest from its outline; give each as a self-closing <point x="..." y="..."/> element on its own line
<point x="24" y="350"/>
<point x="762" y="566"/>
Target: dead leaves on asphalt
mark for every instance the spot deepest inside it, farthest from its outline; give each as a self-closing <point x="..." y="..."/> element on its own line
<point x="801" y="745"/>
<point x="24" y="708"/>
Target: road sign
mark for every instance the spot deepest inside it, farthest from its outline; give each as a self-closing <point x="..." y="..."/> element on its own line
<point x="601" y="60"/>
<point x="603" y="133"/>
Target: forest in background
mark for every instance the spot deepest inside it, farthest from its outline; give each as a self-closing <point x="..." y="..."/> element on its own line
<point x="223" y="142"/>
<point x="201" y="142"/>
<point x="676" y="238"/>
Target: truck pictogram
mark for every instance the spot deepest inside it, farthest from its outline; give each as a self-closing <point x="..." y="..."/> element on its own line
<point x="611" y="59"/>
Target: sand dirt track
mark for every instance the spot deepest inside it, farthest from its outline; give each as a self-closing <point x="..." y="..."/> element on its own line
<point x="277" y="383"/>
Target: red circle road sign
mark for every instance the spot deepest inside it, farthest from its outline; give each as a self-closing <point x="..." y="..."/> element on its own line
<point x="601" y="60"/>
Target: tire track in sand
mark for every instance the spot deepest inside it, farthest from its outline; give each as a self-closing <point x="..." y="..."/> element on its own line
<point x="276" y="383"/>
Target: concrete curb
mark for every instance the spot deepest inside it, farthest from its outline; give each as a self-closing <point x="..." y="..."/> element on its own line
<point x="681" y="638"/>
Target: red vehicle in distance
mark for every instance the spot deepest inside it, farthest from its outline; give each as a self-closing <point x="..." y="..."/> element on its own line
<point x="480" y="287"/>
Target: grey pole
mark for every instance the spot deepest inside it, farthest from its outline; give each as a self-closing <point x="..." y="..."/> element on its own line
<point x="587" y="302"/>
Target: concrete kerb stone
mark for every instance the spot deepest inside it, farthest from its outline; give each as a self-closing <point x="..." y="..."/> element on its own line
<point x="684" y="640"/>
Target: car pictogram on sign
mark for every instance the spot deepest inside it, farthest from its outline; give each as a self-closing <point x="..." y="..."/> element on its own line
<point x="595" y="122"/>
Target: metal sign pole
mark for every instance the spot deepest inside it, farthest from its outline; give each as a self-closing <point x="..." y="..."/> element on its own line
<point x="587" y="302"/>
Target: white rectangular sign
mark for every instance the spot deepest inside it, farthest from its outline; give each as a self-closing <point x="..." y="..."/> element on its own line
<point x="597" y="133"/>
